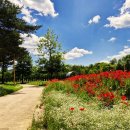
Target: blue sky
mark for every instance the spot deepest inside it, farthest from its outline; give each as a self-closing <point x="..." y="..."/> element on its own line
<point x="95" y="31"/>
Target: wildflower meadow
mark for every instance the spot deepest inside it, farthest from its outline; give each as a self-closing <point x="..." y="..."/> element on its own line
<point x="88" y="102"/>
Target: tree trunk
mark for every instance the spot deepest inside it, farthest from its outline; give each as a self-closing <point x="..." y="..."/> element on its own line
<point x="124" y="67"/>
<point x="14" y="80"/>
<point x="3" y="72"/>
<point x="22" y="79"/>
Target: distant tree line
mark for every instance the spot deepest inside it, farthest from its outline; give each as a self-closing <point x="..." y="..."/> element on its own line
<point x="114" y="64"/>
<point x="39" y="72"/>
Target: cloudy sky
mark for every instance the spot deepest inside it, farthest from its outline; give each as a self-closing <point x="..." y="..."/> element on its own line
<point x="90" y="31"/>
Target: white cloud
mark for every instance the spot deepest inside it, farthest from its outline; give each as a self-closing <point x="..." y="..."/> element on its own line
<point x="126" y="47"/>
<point x="30" y="43"/>
<point x="125" y="6"/>
<point x="118" y="56"/>
<point x="128" y="40"/>
<point x="27" y="16"/>
<point x="46" y="7"/>
<point x="95" y="19"/>
<point x="43" y="7"/>
<point x="17" y="2"/>
<point x="76" y="53"/>
<point x="123" y="19"/>
<point x="40" y="14"/>
<point x="113" y="39"/>
<point x="104" y="61"/>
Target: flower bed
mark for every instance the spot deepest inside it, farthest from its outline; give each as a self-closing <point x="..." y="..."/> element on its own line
<point x="64" y="112"/>
<point x="94" y="101"/>
<point x="108" y="87"/>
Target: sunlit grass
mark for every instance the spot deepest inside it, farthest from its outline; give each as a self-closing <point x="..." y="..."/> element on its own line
<point x="38" y="83"/>
<point x="7" y="89"/>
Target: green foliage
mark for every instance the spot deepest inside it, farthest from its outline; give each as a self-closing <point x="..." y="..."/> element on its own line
<point x="124" y="63"/>
<point x="79" y="69"/>
<point x="24" y="67"/>
<point x="121" y="64"/>
<point x="7" y="89"/>
<point x="113" y="61"/>
<point x="37" y="125"/>
<point x="38" y="83"/>
<point x="49" y="49"/>
<point x="58" y="86"/>
<point x="10" y="28"/>
<point x="66" y="87"/>
<point x="127" y="87"/>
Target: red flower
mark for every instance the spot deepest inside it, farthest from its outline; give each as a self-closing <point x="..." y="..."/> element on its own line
<point x="82" y="109"/>
<point x="72" y="108"/>
<point x="54" y="80"/>
<point x="123" y="97"/>
<point x="76" y="86"/>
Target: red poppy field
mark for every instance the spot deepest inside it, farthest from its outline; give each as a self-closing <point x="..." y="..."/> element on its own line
<point x="93" y="101"/>
<point x="108" y="87"/>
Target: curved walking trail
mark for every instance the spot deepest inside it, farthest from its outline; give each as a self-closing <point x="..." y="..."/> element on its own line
<point x="16" y="110"/>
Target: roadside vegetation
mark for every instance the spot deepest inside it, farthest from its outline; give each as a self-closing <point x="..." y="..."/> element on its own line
<point x="8" y="89"/>
<point x="38" y="83"/>
<point x="87" y="102"/>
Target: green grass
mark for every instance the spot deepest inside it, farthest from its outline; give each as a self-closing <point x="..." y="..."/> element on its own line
<point x="9" y="88"/>
<point x="38" y="83"/>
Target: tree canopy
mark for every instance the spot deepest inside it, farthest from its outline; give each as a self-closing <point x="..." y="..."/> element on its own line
<point x="24" y="67"/>
<point x="11" y="26"/>
<point x="50" y="52"/>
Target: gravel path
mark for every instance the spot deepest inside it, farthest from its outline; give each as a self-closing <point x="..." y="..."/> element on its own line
<point x="16" y="110"/>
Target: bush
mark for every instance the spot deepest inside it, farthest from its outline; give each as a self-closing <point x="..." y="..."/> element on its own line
<point x="2" y="91"/>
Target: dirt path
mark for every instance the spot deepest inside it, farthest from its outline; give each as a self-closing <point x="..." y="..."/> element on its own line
<point x="16" y="110"/>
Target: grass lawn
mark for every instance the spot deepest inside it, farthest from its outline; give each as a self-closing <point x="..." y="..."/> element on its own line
<point x="8" y="88"/>
<point x="38" y="83"/>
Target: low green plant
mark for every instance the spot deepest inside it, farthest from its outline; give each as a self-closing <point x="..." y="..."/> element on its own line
<point x="127" y="86"/>
<point x="38" y="83"/>
<point x="7" y="89"/>
<point x="37" y="125"/>
<point x="66" y="87"/>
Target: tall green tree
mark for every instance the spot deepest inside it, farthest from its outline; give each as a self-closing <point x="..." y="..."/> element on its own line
<point x="24" y="67"/>
<point x="113" y="61"/>
<point x="10" y="28"/>
<point x="51" y="55"/>
<point x="124" y="63"/>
